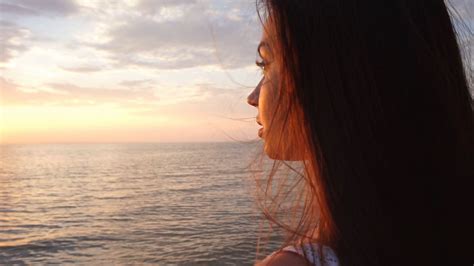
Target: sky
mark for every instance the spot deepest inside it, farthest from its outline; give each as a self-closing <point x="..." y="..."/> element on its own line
<point x="74" y="71"/>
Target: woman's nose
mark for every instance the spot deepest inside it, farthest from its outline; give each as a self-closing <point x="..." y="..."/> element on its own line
<point x="252" y="99"/>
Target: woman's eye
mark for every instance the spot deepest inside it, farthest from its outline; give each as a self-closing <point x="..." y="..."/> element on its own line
<point x="261" y="64"/>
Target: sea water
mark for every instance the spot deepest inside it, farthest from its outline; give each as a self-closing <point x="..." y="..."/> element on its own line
<point x="173" y="203"/>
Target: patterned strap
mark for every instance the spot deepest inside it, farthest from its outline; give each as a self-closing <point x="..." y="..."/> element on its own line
<point x="311" y="252"/>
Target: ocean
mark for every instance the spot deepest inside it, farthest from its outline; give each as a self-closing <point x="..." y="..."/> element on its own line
<point x="161" y="204"/>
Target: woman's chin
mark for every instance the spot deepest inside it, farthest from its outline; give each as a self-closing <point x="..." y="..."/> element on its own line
<point x="276" y="154"/>
<point x="271" y="154"/>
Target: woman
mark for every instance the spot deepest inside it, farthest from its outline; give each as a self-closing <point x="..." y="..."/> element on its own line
<point x="372" y="97"/>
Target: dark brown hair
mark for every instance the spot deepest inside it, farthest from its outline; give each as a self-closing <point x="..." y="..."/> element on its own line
<point x="384" y="108"/>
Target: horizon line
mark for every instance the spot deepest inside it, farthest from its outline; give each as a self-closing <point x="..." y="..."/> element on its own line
<point x="132" y="142"/>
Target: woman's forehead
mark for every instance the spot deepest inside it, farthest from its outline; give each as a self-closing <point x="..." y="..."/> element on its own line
<point x="268" y="30"/>
<point x="268" y="37"/>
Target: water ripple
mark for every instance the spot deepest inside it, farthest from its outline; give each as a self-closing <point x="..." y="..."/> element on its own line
<point x="127" y="204"/>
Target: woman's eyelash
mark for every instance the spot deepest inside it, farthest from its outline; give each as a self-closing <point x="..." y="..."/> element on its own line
<point x="261" y="64"/>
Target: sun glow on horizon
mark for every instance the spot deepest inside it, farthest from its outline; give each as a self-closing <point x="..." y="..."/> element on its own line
<point x="100" y="124"/>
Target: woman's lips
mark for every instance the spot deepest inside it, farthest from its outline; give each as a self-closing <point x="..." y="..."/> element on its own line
<point x="260" y="131"/>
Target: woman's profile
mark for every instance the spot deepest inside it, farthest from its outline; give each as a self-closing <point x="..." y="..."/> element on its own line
<point x="373" y="98"/>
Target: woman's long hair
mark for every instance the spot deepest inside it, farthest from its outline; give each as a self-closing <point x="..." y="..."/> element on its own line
<point x="382" y="98"/>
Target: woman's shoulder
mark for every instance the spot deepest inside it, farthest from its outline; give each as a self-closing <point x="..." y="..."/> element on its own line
<point x="283" y="258"/>
<point x="313" y="253"/>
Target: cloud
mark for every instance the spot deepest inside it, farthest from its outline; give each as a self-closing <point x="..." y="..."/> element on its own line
<point x="153" y="6"/>
<point x="463" y="19"/>
<point x="70" y="94"/>
<point x="17" y="10"/>
<point x="129" y="94"/>
<point x="462" y="12"/>
<point x="465" y="8"/>
<point x="205" y="101"/>
<point x="13" y="40"/>
<point x="13" y="94"/>
<point x="136" y="83"/>
<point x="43" y="7"/>
<point x="82" y="69"/>
<point x="181" y="34"/>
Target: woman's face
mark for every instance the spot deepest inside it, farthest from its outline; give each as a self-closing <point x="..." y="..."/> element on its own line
<point x="266" y="97"/>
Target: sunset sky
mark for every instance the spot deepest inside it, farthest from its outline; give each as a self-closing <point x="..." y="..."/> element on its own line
<point x="130" y="70"/>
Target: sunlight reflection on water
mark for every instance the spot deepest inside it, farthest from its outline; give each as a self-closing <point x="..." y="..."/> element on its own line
<point x="127" y="203"/>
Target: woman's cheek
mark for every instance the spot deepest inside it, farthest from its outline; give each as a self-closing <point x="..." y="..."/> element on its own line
<point x="266" y="103"/>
